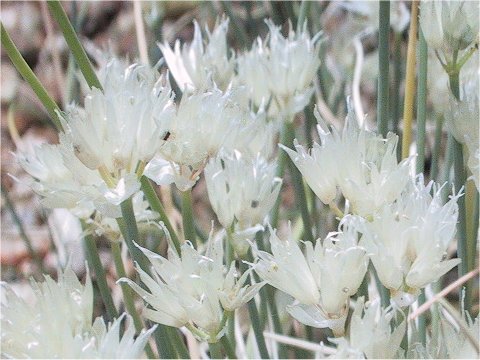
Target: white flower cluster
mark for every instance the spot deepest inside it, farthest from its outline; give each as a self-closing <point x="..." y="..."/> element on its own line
<point x="193" y="290"/>
<point x="372" y="334"/>
<point x="242" y="191"/>
<point x="449" y="26"/>
<point x="358" y="162"/>
<point x="316" y="280"/>
<point x="59" y="324"/>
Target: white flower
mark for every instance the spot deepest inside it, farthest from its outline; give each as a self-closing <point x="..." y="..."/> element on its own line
<point x="449" y="25"/>
<point x="192" y="290"/>
<point x="462" y="115"/>
<point x="281" y="72"/>
<point x="241" y="189"/>
<point x="458" y="346"/>
<point x="108" y="344"/>
<point x="287" y="269"/>
<point x="371" y="334"/>
<point x="361" y="164"/>
<point x="203" y="124"/>
<point x="339" y="265"/>
<point x="59" y="324"/>
<point x="193" y="64"/>
<point x="322" y="281"/>
<point x="408" y="239"/>
<point x="123" y="124"/>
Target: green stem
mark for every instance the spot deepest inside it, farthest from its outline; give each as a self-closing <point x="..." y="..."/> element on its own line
<point x="302" y="17"/>
<point x="282" y="161"/>
<point x="421" y="102"/>
<point x="228" y="346"/>
<point x="30" y="77"/>
<point x="422" y="324"/>
<point x="255" y="320"/>
<point x="157" y="206"/>
<point x="230" y="257"/>
<point x="383" y="61"/>
<point x="277" y="325"/>
<point x="309" y="124"/>
<point x="127" y="293"/>
<point x="74" y="43"/>
<point x="128" y="227"/>
<point x="176" y="342"/>
<point x="459" y="182"/>
<point x="437" y="148"/>
<point x="215" y="350"/>
<point x="95" y="263"/>
<point x="397" y="80"/>
<point x="16" y="219"/>
<point x="187" y="217"/>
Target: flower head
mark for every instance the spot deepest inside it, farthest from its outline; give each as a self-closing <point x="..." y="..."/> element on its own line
<point x="192" y="290"/>
<point x="358" y="162"/>
<point x="193" y="64"/>
<point x="408" y="239"/>
<point x="58" y="324"/>
<point x="281" y="70"/>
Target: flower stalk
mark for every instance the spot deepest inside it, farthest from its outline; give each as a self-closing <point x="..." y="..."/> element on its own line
<point x="95" y="263"/>
<point x="383" y="61"/>
<point x="187" y="217"/>
<point x="73" y="43"/>
<point x="29" y="76"/>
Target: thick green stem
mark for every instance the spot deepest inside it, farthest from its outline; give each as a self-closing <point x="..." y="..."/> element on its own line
<point x="74" y="43"/>
<point x="95" y="263"/>
<point x="157" y="206"/>
<point x="228" y="347"/>
<point x="29" y="76"/>
<point x="277" y="325"/>
<point x="215" y="350"/>
<point x="459" y="182"/>
<point x="421" y="102"/>
<point x="128" y="227"/>
<point x="127" y="293"/>
<point x="187" y="217"/>
<point x="282" y="160"/>
<point x="396" y="100"/>
<point x="383" y="61"/>
<point x="16" y="219"/>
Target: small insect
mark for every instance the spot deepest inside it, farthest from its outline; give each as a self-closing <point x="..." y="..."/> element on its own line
<point x="167" y="135"/>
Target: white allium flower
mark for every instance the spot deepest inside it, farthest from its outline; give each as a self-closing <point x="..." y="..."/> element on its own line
<point x="281" y="71"/>
<point x="358" y="162"/>
<point x="195" y="63"/>
<point x="193" y="290"/>
<point x="124" y="123"/>
<point x="371" y="335"/>
<point x="458" y="346"/>
<point x="463" y="115"/>
<point x="204" y="123"/>
<point x="332" y="263"/>
<point x="59" y="324"/>
<point x="322" y="281"/>
<point x="108" y="344"/>
<point x="408" y="239"/>
<point x="474" y="161"/>
<point x="449" y="25"/>
<point x="241" y="189"/>
<point x="288" y="270"/>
